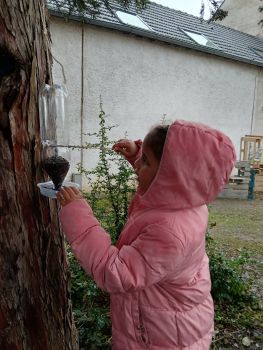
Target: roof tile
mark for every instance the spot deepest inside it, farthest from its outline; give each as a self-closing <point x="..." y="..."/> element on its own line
<point x="167" y="25"/>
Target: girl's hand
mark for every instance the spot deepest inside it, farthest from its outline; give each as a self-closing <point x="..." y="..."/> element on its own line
<point x="67" y="195"/>
<point x="125" y="147"/>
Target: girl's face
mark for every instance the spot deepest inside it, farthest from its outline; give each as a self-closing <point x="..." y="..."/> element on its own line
<point x="146" y="168"/>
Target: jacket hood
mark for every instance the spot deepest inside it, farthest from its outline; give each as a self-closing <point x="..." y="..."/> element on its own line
<point x="195" y="165"/>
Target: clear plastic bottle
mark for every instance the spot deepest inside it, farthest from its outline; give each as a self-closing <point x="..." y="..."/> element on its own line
<point x="53" y="123"/>
<point x="54" y="133"/>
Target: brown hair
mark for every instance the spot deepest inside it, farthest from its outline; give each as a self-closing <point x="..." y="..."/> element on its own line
<point x="155" y="139"/>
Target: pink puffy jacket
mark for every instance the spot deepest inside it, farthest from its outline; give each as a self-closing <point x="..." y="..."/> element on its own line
<point x="158" y="273"/>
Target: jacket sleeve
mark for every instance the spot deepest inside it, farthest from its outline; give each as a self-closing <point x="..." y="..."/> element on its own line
<point x="133" y="159"/>
<point x="153" y="255"/>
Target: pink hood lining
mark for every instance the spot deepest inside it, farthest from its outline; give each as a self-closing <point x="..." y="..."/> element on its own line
<point x="196" y="163"/>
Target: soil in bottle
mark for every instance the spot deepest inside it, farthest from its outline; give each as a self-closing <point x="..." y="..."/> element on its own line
<point x="57" y="168"/>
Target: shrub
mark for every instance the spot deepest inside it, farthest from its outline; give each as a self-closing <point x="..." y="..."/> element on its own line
<point x="110" y="191"/>
<point x="90" y="309"/>
<point x="229" y="284"/>
<point x="109" y="197"/>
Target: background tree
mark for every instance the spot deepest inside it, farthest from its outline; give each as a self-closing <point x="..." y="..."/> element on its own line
<point x="35" y="308"/>
<point x="260" y="10"/>
<point x="216" y="13"/>
<point x="93" y="6"/>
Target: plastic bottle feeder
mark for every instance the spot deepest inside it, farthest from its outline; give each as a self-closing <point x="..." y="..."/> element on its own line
<point x="55" y="139"/>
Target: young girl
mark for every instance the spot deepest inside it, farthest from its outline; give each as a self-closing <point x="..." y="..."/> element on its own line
<point x="158" y="273"/>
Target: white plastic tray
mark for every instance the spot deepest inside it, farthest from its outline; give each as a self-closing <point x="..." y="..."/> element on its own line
<point x="47" y="188"/>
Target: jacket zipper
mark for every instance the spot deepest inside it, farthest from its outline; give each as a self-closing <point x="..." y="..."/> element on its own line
<point x="141" y="327"/>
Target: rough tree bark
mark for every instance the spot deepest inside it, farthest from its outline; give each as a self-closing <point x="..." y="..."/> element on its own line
<point x="35" y="310"/>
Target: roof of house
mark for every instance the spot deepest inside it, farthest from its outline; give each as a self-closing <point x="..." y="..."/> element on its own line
<point x="169" y="25"/>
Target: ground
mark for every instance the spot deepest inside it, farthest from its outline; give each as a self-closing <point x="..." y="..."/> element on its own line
<point x="238" y="224"/>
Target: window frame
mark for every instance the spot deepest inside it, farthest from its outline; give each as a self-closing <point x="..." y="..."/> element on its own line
<point x="257" y="51"/>
<point x="145" y="25"/>
<point x="188" y="33"/>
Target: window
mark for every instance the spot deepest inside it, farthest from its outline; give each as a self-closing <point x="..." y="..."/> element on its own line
<point x="257" y="51"/>
<point x="201" y="39"/>
<point x="132" y="20"/>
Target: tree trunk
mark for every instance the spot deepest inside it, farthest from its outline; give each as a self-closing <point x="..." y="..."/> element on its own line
<point x="35" y="309"/>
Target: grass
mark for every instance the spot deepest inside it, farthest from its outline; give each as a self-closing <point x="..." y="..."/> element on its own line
<point x="237" y="228"/>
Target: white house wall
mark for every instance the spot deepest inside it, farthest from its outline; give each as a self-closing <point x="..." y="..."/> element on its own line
<point x="140" y="81"/>
<point x="67" y="43"/>
<point x="243" y="15"/>
<point x="257" y="121"/>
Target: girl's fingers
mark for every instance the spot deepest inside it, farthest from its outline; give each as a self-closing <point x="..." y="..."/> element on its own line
<point x="121" y="144"/>
<point x="121" y="148"/>
<point x="60" y="198"/>
<point x="123" y="141"/>
<point x="75" y="193"/>
<point x="76" y="190"/>
<point x="65" y="193"/>
<point x="69" y="190"/>
<point x="68" y="194"/>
